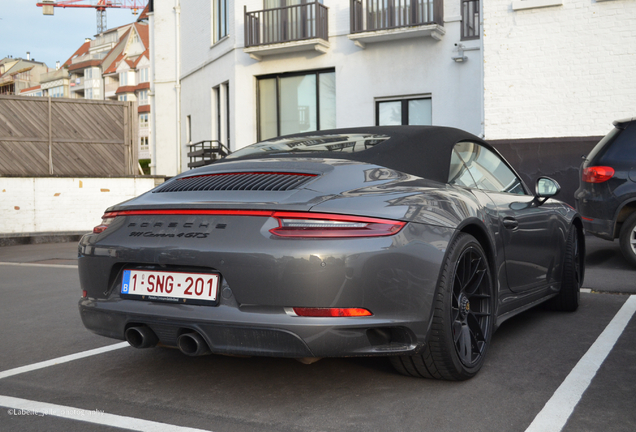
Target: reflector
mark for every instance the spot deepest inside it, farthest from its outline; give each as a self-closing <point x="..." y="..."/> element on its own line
<point x="332" y="312"/>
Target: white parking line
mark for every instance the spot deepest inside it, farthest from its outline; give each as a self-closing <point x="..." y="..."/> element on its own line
<point x="68" y="358"/>
<point x="558" y="409"/>
<point x="24" y="407"/>
<point x="39" y="265"/>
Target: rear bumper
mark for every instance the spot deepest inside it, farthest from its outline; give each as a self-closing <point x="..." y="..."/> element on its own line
<point x="270" y="334"/>
<point x="394" y="277"/>
<point x="600" y="228"/>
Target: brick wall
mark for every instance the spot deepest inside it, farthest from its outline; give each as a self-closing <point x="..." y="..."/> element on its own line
<point x="559" y="71"/>
<point x="45" y="204"/>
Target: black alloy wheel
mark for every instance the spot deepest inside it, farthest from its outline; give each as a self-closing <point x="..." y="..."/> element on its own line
<point x="463" y="317"/>
<point x="470" y="309"/>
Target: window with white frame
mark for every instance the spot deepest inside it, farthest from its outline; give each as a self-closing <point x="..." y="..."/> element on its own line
<point x="123" y="79"/>
<point x="220" y="19"/>
<point x="143" y="143"/>
<point x="143" y="97"/>
<point x="406" y="111"/>
<point x="89" y="93"/>
<point x="123" y="97"/>
<point x="88" y="73"/>
<point x="143" y="120"/>
<point x="143" y="75"/>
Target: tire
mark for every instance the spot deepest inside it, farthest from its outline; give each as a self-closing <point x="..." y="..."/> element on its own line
<point x="627" y="239"/>
<point x="462" y="318"/>
<point x="568" y="298"/>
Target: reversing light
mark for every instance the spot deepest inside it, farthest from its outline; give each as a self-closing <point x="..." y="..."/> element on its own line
<point x="106" y="220"/>
<point x="597" y="174"/>
<point x="332" y="312"/>
<point x="308" y="225"/>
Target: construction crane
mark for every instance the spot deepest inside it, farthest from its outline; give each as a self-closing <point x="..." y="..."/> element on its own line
<point x="99" y="5"/>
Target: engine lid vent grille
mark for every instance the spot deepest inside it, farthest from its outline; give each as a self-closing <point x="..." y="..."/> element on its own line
<point x="243" y="181"/>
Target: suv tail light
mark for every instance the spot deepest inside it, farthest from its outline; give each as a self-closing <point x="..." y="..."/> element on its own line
<point x="597" y="174"/>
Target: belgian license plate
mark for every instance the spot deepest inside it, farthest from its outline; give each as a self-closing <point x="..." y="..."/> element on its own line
<point x="174" y="287"/>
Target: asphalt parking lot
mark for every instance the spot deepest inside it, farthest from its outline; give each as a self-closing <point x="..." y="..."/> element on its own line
<point x="545" y="370"/>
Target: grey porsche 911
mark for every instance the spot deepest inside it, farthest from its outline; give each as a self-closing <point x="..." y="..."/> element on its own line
<point x="411" y="242"/>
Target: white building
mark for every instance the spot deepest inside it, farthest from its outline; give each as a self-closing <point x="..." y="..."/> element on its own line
<point x="543" y="79"/>
<point x="303" y="67"/>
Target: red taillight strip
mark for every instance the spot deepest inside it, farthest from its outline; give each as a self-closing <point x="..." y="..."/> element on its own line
<point x="264" y="213"/>
<point x="375" y="227"/>
<point x="250" y="173"/>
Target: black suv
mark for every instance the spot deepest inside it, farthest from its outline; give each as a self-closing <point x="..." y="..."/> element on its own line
<point x="606" y="197"/>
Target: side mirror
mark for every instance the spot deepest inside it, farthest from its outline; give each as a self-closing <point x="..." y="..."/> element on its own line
<point x="545" y="188"/>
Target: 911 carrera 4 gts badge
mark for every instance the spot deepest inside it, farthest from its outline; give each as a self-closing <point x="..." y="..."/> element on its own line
<point x="199" y="235"/>
<point x="164" y="225"/>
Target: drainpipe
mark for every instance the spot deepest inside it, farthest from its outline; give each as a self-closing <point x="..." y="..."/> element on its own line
<point x="177" y="86"/>
<point x="151" y="96"/>
<point x="482" y="71"/>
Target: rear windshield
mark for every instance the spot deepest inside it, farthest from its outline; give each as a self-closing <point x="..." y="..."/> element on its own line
<point x="312" y="144"/>
<point x="607" y="139"/>
<point x="622" y="148"/>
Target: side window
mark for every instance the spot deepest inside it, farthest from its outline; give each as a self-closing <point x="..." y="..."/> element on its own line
<point x="458" y="173"/>
<point x="488" y="170"/>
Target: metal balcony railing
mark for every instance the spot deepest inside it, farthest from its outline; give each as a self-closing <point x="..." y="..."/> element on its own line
<point x="206" y="152"/>
<point x="286" y="24"/>
<point x="373" y="15"/>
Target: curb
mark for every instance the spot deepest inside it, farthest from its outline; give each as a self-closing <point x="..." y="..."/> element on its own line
<point x="15" y="239"/>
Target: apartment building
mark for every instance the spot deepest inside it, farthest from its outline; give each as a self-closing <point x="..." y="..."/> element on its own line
<point x="541" y="79"/>
<point x="238" y="72"/>
<point x="18" y="74"/>
<point x="112" y="66"/>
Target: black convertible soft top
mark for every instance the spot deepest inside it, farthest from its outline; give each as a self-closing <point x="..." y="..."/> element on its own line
<point x="424" y="151"/>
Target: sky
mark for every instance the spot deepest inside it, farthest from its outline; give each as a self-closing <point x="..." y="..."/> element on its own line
<point x="24" y="28"/>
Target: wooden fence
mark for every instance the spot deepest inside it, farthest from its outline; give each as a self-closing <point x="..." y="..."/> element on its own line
<point x="67" y="137"/>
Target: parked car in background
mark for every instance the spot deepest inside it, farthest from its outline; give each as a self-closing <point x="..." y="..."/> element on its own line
<point x="411" y="242"/>
<point x="606" y="198"/>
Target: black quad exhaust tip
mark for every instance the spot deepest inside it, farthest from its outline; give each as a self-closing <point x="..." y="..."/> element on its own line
<point x="141" y="337"/>
<point x="192" y="344"/>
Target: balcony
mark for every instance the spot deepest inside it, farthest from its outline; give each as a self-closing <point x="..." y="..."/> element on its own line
<point x="54" y="75"/>
<point x="287" y="29"/>
<point x="88" y="57"/>
<point x="384" y="20"/>
<point x="109" y="38"/>
<point x="77" y="84"/>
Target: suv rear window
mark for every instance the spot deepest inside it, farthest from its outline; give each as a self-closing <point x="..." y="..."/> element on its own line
<point x="623" y="148"/>
<point x="607" y="139"/>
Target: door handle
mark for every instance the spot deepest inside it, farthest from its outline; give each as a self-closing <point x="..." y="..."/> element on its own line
<point x="510" y="223"/>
